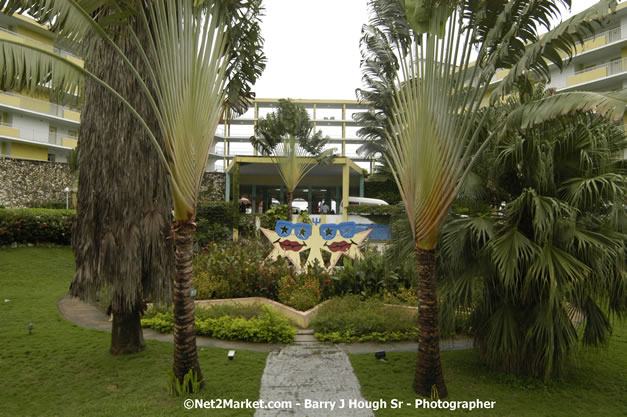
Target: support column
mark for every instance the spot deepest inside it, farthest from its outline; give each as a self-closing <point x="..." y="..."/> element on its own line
<point x="227" y="190"/>
<point x="265" y="200"/>
<point x="236" y="202"/>
<point x="309" y="200"/>
<point x="344" y="129"/>
<point x="345" y="189"/>
<point x="361" y="185"/>
<point x="328" y="198"/>
<point x="254" y="199"/>
<point x="282" y="198"/>
<point x="256" y="118"/>
<point x="338" y="199"/>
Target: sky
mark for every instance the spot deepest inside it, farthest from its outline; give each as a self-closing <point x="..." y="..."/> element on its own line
<point x="312" y="48"/>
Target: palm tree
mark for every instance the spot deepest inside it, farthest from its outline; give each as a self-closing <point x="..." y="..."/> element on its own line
<point x="550" y="254"/>
<point x="197" y="51"/>
<point x="286" y="136"/>
<point x="431" y="136"/>
<point x="117" y="219"/>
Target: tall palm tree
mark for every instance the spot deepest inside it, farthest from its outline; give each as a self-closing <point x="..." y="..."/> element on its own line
<point x="197" y="50"/>
<point x="117" y="219"/>
<point x="431" y="137"/>
<point x="286" y="136"/>
<point x="550" y="254"/>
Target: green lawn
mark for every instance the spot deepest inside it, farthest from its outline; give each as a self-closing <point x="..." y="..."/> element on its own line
<point x="596" y="386"/>
<point x="65" y="370"/>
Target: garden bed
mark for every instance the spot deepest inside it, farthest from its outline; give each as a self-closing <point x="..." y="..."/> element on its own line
<point x="249" y="322"/>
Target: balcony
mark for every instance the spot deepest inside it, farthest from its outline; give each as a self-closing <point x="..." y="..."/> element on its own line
<point x="597" y="41"/>
<point x="16" y="37"/>
<point x="597" y="72"/>
<point x="39" y="106"/>
<point x="38" y="137"/>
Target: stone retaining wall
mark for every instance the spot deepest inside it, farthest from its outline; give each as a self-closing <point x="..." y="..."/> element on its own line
<point x="212" y="187"/>
<point x="26" y="182"/>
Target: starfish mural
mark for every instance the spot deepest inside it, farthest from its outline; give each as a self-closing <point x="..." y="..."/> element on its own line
<point x="342" y="239"/>
<point x="289" y="239"/>
<point x="284" y="244"/>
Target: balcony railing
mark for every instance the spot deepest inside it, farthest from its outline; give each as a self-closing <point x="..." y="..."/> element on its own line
<point x="613" y="67"/>
<point x="33" y="135"/>
<point x="613" y="35"/>
<point x="40" y="106"/>
<point x="41" y="45"/>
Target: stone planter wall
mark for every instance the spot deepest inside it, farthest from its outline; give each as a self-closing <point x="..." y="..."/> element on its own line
<point x="25" y="183"/>
<point x="212" y="187"/>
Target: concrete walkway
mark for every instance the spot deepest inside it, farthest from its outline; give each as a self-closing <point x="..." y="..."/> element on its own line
<point x="310" y="378"/>
<point x="88" y="315"/>
<point x="313" y="380"/>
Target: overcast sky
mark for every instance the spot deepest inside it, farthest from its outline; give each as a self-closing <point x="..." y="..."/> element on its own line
<point x="313" y="48"/>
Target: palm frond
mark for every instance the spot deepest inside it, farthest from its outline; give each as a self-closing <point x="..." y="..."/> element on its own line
<point x="608" y="105"/>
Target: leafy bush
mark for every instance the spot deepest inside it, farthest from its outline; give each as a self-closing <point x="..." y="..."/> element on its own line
<point x="57" y="205"/>
<point x="214" y="222"/>
<point x="266" y="327"/>
<point x="370" y="276"/>
<point x="36" y="226"/>
<point x="301" y="291"/>
<point x="402" y="296"/>
<point x="242" y="310"/>
<point x="279" y="212"/>
<point x="236" y="269"/>
<point x="348" y="319"/>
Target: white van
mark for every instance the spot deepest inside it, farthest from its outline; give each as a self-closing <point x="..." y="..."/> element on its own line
<point x="364" y="201"/>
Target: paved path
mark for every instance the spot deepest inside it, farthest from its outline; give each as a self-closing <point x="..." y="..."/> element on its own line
<point x="316" y="378"/>
<point x="88" y="315"/>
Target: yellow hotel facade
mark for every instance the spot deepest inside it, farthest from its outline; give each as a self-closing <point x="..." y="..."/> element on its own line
<point x="35" y="128"/>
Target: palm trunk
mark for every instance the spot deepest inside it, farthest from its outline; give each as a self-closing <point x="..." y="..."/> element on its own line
<point x="290" y="196"/>
<point x="185" y="354"/>
<point x="126" y="333"/>
<point x="428" y="367"/>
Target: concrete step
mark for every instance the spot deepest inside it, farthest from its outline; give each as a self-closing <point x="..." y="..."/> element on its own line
<point x="308" y="338"/>
<point x="304" y="331"/>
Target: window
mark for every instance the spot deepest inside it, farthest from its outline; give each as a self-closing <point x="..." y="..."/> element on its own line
<point x="52" y="157"/>
<point x="52" y="135"/>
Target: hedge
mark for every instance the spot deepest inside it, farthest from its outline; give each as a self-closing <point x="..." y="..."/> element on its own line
<point x="214" y="222"/>
<point x="269" y="327"/>
<point x="36" y="226"/>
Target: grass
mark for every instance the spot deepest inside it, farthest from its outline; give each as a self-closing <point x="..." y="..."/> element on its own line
<point x="66" y="370"/>
<point x="596" y="386"/>
<point x="348" y="319"/>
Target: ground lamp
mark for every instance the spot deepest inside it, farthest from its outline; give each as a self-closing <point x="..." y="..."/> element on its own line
<point x="380" y="355"/>
<point x="67" y="197"/>
<point x="30" y="328"/>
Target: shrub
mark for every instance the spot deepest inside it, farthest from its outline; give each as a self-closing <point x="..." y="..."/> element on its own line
<point x="348" y="319"/>
<point x="266" y="327"/>
<point x="279" y="212"/>
<point x="242" y="310"/>
<point x="301" y="291"/>
<point x="370" y="276"/>
<point x="402" y="296"/>
<point x="214" y="222"/>
<point x="36" y="226"/>
<point x="236" y="269"/>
